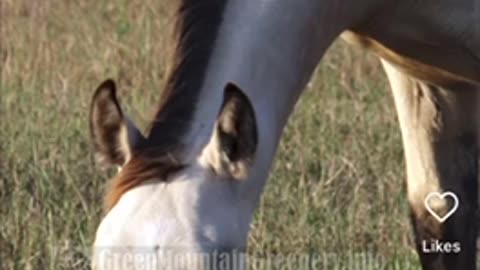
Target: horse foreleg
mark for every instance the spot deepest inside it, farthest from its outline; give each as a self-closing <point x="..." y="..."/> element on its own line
<point x="440" y="138"/>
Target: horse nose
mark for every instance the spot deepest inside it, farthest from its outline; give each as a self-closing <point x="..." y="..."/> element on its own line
<point x="221" y="259"/>
<point x="228" y="258"/>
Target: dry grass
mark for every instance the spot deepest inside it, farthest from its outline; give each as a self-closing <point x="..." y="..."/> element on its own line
<point x="337" y="186"/>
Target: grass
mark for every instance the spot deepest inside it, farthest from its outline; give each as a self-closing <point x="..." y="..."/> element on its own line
<point x="336" y="190"/>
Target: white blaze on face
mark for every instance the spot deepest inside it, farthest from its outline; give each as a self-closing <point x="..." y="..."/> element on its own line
<point x="201" y="208"/>
<point x="194" y="212"/>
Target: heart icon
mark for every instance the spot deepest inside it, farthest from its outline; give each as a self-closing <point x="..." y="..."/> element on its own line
<point x="437" y="196"/>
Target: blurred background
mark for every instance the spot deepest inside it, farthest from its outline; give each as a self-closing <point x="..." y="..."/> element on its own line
<point x="337" y="187"/>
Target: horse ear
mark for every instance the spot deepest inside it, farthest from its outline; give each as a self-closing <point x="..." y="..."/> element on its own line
<point x="234" y="140"/>
<point x="114" y="136"/>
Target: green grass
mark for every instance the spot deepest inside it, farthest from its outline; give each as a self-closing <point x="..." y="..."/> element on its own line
<point x="336" y="190"/>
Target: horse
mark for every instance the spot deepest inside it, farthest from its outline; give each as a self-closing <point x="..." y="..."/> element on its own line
<point x="192" y="184"/>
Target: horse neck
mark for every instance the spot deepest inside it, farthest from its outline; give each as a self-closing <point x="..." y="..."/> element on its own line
<point x="269" y="49"/>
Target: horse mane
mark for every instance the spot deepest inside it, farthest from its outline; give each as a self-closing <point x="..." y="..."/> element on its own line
<point x="142" y="167"/>
<point x="196" y="28"/>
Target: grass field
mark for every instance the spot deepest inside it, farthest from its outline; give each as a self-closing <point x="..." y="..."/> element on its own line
<point x="337" y="188"/>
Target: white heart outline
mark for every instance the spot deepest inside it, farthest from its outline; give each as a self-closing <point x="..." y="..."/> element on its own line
<point x="442" y="196"/>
